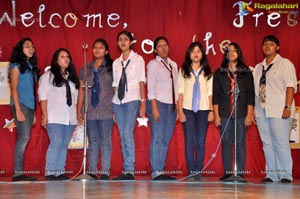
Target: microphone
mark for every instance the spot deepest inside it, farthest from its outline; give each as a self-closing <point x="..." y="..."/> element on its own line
<point x="226" y="48"/>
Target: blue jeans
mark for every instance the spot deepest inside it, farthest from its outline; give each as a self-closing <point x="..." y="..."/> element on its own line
<point x="228" y="145"/>
<point x="161" y="134"/>
<point x="126" y="115"/>
<point x="59" y="135"/>
<point x="275" y="135"/>
<point x="99" y="136"/>
<point x="23" y="131"/>
<point x="195" y="130"/>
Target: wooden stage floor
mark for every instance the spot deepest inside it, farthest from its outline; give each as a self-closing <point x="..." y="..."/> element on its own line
<point x="208" y="187"/>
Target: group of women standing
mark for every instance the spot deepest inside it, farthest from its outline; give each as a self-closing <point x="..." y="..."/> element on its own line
<point x="194" y="95"/>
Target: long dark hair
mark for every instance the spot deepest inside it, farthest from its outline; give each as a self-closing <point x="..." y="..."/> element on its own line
<point x="108" y="59"/>
<point x="241" y="66"/>
<point x="187" y="64"/>
<point x="18" y="56"/>
<point x="58" y="79"/>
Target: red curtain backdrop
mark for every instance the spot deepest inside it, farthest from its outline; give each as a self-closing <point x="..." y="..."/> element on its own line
<point x="214" y="23"/>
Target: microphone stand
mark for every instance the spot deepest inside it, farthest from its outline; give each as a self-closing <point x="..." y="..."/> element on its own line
<point x="236" y="91"/>
<point x="84" y="176"/>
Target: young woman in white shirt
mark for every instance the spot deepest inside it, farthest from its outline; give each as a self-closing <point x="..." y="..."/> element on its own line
<point x="58" y="90"/>
<point x="129" y="98"/>
<point x="162" y="81"/>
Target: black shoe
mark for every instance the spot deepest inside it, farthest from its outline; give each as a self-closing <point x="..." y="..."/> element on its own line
<point x="158" y="177"/>
<point x="120" y="177"/>
<point x="50" y="178"/>
<point x="104" y="177"/>
<point x="286" y="181"/>
<point x="167" y="177"/>
<point x="129" y="176"/>
<point x="62" y="177"/>
<point x="23" y="178"/>
<point x="197" y="177"/>
<point x="241" y="175"/>
<point x="93" y="176"/>
<point x="123" y="176"/>
<point x="164" y="177"/>
<point x="267" y="180"/>
<point x="225" y="177"/>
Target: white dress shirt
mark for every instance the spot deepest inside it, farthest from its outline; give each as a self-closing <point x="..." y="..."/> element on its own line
<point x="159" y="82"/>
<point x="58" y="110"/>
<point x="279" y="77"/>
<point x="135" y="73"/>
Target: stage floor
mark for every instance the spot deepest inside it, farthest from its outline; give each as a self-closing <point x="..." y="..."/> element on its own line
<point x="208" y="187"/>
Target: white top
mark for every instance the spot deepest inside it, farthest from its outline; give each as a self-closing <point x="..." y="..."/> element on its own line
<point x="186" y="89"/>
<point x="58" y="110"/>
<point x="279" y="77"/>
<point x="135" y="73"/>
<point x="159" y="82"/>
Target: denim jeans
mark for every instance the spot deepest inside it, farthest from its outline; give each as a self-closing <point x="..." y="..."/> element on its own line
<point x="59" y="135"/>
<point x="99" y="136"/>
<point x="228" y="145"/>
<point x="161" y="134"/>
<point x="195" y="130"/>
<point x="275" y="135"/>
<point x="23" y="131"/>
<point x="126" y="115"/>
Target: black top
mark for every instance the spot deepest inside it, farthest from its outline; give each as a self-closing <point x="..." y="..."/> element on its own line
<point x="222" y="88"/>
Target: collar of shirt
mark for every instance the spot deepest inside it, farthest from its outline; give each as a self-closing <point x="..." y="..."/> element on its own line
<point x="131" y="55"/>
<point x="66" y="76"/>
<point x="170" y="62"/>
<point x="264" y="63"/>
<point x="90" y="66"/>
<point x="196" y="71"/>
<point x="158" y="58"/>
<point x="30" y="65"/>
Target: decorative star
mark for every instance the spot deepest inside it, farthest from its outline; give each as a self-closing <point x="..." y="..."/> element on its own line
<point x="142" y="121"/>
<point x="10" y="124"/>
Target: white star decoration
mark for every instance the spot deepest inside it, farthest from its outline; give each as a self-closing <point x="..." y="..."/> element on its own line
<point x="142" y="121"/>
<point x="10" y="124"/>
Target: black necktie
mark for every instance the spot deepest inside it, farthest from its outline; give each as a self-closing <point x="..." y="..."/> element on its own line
<point x="123" y="82"/>
<point x="68" y="93"/>
<point x="262" y="80"/>
<point x="173" y="88"/>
